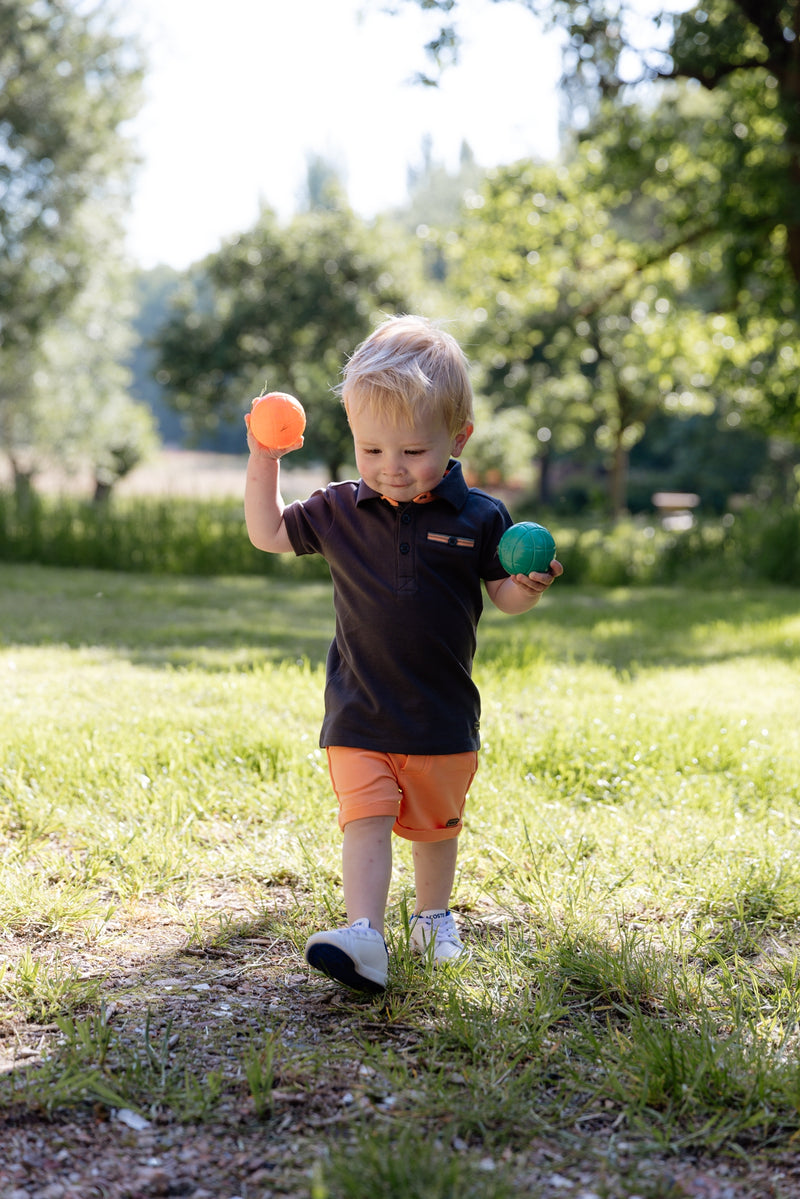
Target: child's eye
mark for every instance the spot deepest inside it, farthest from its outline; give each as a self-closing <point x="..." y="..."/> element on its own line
<point x="413" y="453"/>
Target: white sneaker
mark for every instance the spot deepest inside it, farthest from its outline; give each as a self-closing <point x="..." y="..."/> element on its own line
<point x="355" y="956"/>
<point x="435" y="933"/>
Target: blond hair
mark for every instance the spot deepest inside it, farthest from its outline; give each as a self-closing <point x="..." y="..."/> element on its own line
<point x="409" y="369"/>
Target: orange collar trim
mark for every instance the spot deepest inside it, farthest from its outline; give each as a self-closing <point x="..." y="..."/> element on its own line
<point x="424" y="497"/>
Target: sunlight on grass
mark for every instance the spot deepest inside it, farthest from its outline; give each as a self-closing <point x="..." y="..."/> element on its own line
<point x="629" y="875"/>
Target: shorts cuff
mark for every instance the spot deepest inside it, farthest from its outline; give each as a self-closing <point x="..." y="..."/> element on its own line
<point x="428" y="834"/>
<point x="367" y="810"/>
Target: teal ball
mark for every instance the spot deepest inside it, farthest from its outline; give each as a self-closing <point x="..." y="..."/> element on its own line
<point x="526" y="547"/>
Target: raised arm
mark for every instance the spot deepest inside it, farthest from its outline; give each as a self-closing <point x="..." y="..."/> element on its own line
<point x="263" y="502"/>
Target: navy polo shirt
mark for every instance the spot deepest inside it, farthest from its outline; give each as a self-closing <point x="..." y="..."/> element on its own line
<point x="407" y="600"/>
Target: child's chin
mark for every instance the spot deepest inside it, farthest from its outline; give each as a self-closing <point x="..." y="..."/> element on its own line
<point x="403" y="495"/>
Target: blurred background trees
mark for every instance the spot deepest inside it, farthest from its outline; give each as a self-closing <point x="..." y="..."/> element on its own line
<point x="661" y="264"/>
<point x="631" y="308"/>
<point x="68" y="83"/>
<point x="280" y="307"/>
<point x="647" y="281"/>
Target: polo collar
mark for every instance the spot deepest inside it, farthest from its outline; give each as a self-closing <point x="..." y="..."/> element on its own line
<point x="452" y="488"/>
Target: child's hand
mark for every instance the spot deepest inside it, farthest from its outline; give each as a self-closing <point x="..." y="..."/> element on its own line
<point x="537" y="582"/>
<point x="256" y="447"/>
<point x="515" y="594"/>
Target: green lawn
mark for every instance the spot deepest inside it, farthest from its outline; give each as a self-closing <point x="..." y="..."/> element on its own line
<point x="629" y="885"/>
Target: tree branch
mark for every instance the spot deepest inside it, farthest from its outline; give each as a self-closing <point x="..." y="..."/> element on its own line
<point x="635" y="268"/>
<point x="710" y="80"/>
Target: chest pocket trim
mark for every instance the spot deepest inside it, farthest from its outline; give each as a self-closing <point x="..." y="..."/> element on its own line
<point x="467" y="543"/>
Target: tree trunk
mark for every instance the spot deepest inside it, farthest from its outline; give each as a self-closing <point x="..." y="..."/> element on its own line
<point x="23" y="488"/>
<point x="102" y="493"/>
<point x="545" y="463"/>
<point x="618" y="482"/>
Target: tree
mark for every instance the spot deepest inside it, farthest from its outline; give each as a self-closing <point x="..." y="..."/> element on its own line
<point x="689" y="166"/>
<point x="579" y="319"/>
<point x="739" y="219"/>
<point x="79" y="401"/>
<point x="747" y="52"/>
<point x="283" y="306"/>
<point x="67" y="85"/>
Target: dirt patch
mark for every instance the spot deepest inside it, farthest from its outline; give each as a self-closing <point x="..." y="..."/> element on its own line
<point x="194" y="1010"/>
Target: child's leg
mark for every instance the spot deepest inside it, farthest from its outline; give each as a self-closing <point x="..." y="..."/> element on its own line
<point x="433" y="928"/>
<point x="434" y="873"/>
<point x="367" y="868"/>
<point x="357" y="955"/>
<point x="369" y="798"/>
<point x="434" y="795"/>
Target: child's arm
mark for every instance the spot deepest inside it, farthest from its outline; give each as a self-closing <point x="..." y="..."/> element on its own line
<point x="519" y="593"/>
<point x="263" y="502"/>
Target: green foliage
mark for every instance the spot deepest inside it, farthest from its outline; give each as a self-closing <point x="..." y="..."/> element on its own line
<point x="41" y="991"/>
<point x="285" y="305"/>
<point x="733" y="550"/>
<point x="598" y="292"/>
<point x="502" y="445"/>
<point x="80" y="414"/>
<point x="152" y="292"/>
<point x="573" y="323"/>
<point x="68" y="83"/>
<point x="715" y="459"/>
<point x="659" y="268"/>
<point x="200" y="537"/>
<point x="155" y="536"/>
<point x="435" y="200"/>
<point x="702" y="180"/>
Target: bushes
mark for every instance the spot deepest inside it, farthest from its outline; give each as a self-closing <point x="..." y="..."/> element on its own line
<point x="207" y="537"/>
<point x="176" y="536"/>
<point x="771" y="546"/>
<point x="728" y="551"/>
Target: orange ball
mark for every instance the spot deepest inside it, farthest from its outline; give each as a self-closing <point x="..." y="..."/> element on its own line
<point x="277" y="420"/>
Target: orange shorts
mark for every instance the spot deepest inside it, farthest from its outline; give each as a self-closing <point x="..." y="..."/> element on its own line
<point x="425" y="793"/>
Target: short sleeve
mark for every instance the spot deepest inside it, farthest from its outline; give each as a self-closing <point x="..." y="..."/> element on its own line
<point x="308" y="522"/>
<point x="497" y="523"/>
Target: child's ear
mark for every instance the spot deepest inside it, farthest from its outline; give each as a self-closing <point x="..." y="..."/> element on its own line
<point x="460" y="440"/>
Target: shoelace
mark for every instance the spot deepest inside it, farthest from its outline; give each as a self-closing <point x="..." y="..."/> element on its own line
<point x="445" y="930"/>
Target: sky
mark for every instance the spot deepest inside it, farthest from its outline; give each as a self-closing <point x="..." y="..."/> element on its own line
<point x="241" y="92"/>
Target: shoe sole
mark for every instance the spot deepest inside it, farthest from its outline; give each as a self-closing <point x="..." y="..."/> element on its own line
<point x="338" y="965"/>
<point x="456" y="958"/>
<point x="427" y="948"/>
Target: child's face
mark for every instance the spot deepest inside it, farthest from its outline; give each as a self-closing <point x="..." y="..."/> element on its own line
<point x="399" y="461"/>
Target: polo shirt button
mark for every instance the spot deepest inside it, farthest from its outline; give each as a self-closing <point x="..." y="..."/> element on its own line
<point x="452" y="541"/>
<point x="404" y="547"/>
<point x="405" y="518"/>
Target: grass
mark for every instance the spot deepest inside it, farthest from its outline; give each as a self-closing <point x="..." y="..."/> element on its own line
<point x="629" y="883"/>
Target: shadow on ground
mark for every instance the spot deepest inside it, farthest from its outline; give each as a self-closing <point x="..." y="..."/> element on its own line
<point x="217" y="623"/>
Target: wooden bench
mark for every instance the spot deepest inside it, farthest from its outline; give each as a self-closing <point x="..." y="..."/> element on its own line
<point x="675" y="508"/>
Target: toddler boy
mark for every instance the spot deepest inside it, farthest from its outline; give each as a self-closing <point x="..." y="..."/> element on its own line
<point x="408" y="545"/>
